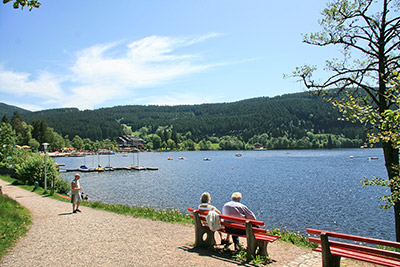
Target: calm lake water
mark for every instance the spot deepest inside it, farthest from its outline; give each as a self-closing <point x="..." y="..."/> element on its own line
<point x="290" y="190"/>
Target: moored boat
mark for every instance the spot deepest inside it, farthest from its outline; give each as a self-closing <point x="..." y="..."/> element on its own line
<point x="138" y="168"/>
<point x="83" y="168"/>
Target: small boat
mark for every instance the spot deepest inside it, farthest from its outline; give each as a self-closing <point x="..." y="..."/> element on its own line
<point x="99" y="169"/>
<point x="207" y="159"/>
<point x="108" y="168"/>
<point x="170" y="158"/>
<point x="151" y="168"/>
<point x="83" y="168"/>
<point x="371" y="158"/>
<point x="238" y="155"/>
<point x="138" y="168"/>
<point x="182" y="158"/>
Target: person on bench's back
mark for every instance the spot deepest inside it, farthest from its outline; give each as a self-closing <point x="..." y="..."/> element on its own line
<point x="236" y="209"/>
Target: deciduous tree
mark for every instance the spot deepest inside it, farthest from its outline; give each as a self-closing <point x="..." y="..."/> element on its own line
<point x="22" y="3"/>
<point x="368" y="33"/>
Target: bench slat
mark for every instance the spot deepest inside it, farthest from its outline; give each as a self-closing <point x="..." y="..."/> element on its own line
<point x="356" y="238"/>
<point x="364" y="257"/>
<point x="240" y="220"/>
<point x="229" y="218"/>
<point x="242" y="227"/>
<point x="260" y="237"/>
<point x="266" y="237"/>
<point x="370" y="250"/>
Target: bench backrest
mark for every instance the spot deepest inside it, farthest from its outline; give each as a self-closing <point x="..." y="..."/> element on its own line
<point x="354" y="247"/>
<point x="356" y="238"/>
<point x="230" y="218"/>
<point x="234" y="222"/>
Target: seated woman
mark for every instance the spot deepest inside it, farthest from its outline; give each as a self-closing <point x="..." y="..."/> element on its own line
<point x="205" y="200"/>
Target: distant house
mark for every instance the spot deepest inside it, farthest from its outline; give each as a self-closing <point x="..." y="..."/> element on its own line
<point x="130" y="142"/>
<point x="258" y="146"/>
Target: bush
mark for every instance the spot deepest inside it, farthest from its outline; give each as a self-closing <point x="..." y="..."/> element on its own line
<point x="62" y="186"/>
<point x="31" y="169"/>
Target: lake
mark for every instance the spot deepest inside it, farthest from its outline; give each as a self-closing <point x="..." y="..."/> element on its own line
<point x="292" y="190"/>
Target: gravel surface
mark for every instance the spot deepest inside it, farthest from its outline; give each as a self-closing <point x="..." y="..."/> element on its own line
<point x="99" y="238"/>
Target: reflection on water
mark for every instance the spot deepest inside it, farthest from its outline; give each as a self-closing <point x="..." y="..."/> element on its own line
<point x="287" y="189"/>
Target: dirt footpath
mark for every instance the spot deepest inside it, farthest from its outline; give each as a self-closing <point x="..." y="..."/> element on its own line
<point x="98" y="238"/>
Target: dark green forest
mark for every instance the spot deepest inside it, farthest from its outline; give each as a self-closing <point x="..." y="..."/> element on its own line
<point x="286" y="118"/>
<point x="9" y="110"/>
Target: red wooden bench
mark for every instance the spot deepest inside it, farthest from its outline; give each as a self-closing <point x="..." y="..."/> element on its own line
<point x="256" y="237"/>
<point x="333" y="250"/>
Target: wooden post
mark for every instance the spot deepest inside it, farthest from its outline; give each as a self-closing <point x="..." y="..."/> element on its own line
<point x="251" y="240"/>
<point x="262" y="248"/>
<point x="328" y="260"/>
<point x="200" y="231"/>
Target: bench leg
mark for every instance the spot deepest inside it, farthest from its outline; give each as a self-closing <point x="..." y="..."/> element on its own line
<point x="252" y="242"/>
<point x="328" y="260"/>
<point x="262" y="248"/>
<point x="201" y="232"/>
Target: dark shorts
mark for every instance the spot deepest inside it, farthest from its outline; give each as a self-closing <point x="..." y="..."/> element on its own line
<point x="235" y="231"/>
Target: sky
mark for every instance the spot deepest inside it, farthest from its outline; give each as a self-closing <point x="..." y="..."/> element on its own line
<point x="94" y="53"/>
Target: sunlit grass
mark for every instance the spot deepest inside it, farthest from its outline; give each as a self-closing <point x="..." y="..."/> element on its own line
<point x="170" y="215"/>
<point x="291" y="237"/>
<point x="14" y="223"/>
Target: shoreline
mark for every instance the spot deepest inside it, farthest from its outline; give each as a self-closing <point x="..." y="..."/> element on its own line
<point x="97" y="237"/>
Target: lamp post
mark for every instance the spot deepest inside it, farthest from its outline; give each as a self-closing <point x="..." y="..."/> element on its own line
<point x="45" y="145"/>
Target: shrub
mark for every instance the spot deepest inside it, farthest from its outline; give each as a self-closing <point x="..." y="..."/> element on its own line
<point x="31" y="169"/>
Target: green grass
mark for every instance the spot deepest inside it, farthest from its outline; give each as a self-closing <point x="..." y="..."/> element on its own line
<point x="14" y="223"/>
<point x="294" y="238"/>
<point x="170" y="215"/>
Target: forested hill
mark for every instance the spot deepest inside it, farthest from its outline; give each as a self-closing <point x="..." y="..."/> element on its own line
<point x="9" y="110"/>
<point x="291" y="116"/>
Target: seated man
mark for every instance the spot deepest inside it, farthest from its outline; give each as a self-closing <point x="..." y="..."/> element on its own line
<point x="236" y="209"/>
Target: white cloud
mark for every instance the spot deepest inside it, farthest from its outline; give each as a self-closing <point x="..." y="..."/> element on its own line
<point x="107" y="72"/>
<point x="20" y="84"/>
<point x="179" y="99"/>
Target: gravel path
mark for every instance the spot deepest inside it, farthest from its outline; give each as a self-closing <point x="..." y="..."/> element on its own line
<point x="98" y="238"/>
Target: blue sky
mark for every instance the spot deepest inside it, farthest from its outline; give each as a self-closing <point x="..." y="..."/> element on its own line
<point x="92" y="54"/>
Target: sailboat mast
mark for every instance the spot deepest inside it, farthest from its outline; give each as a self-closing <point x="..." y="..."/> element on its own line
<point x="137" y="146"/>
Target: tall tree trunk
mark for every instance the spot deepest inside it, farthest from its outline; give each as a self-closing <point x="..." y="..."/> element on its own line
<point x="392" y="167"/>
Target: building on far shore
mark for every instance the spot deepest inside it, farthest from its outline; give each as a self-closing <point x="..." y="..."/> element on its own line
<point x="258" y="146"/>
<point x="130" y="143"/>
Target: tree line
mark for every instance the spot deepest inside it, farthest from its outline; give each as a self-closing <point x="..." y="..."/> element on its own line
<point x="290" y="121"/>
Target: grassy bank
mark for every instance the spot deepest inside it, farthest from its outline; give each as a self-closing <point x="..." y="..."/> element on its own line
<point x="170" y="215"/>
<point x="294" y="238"/>
<point x="14" y="223"/>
